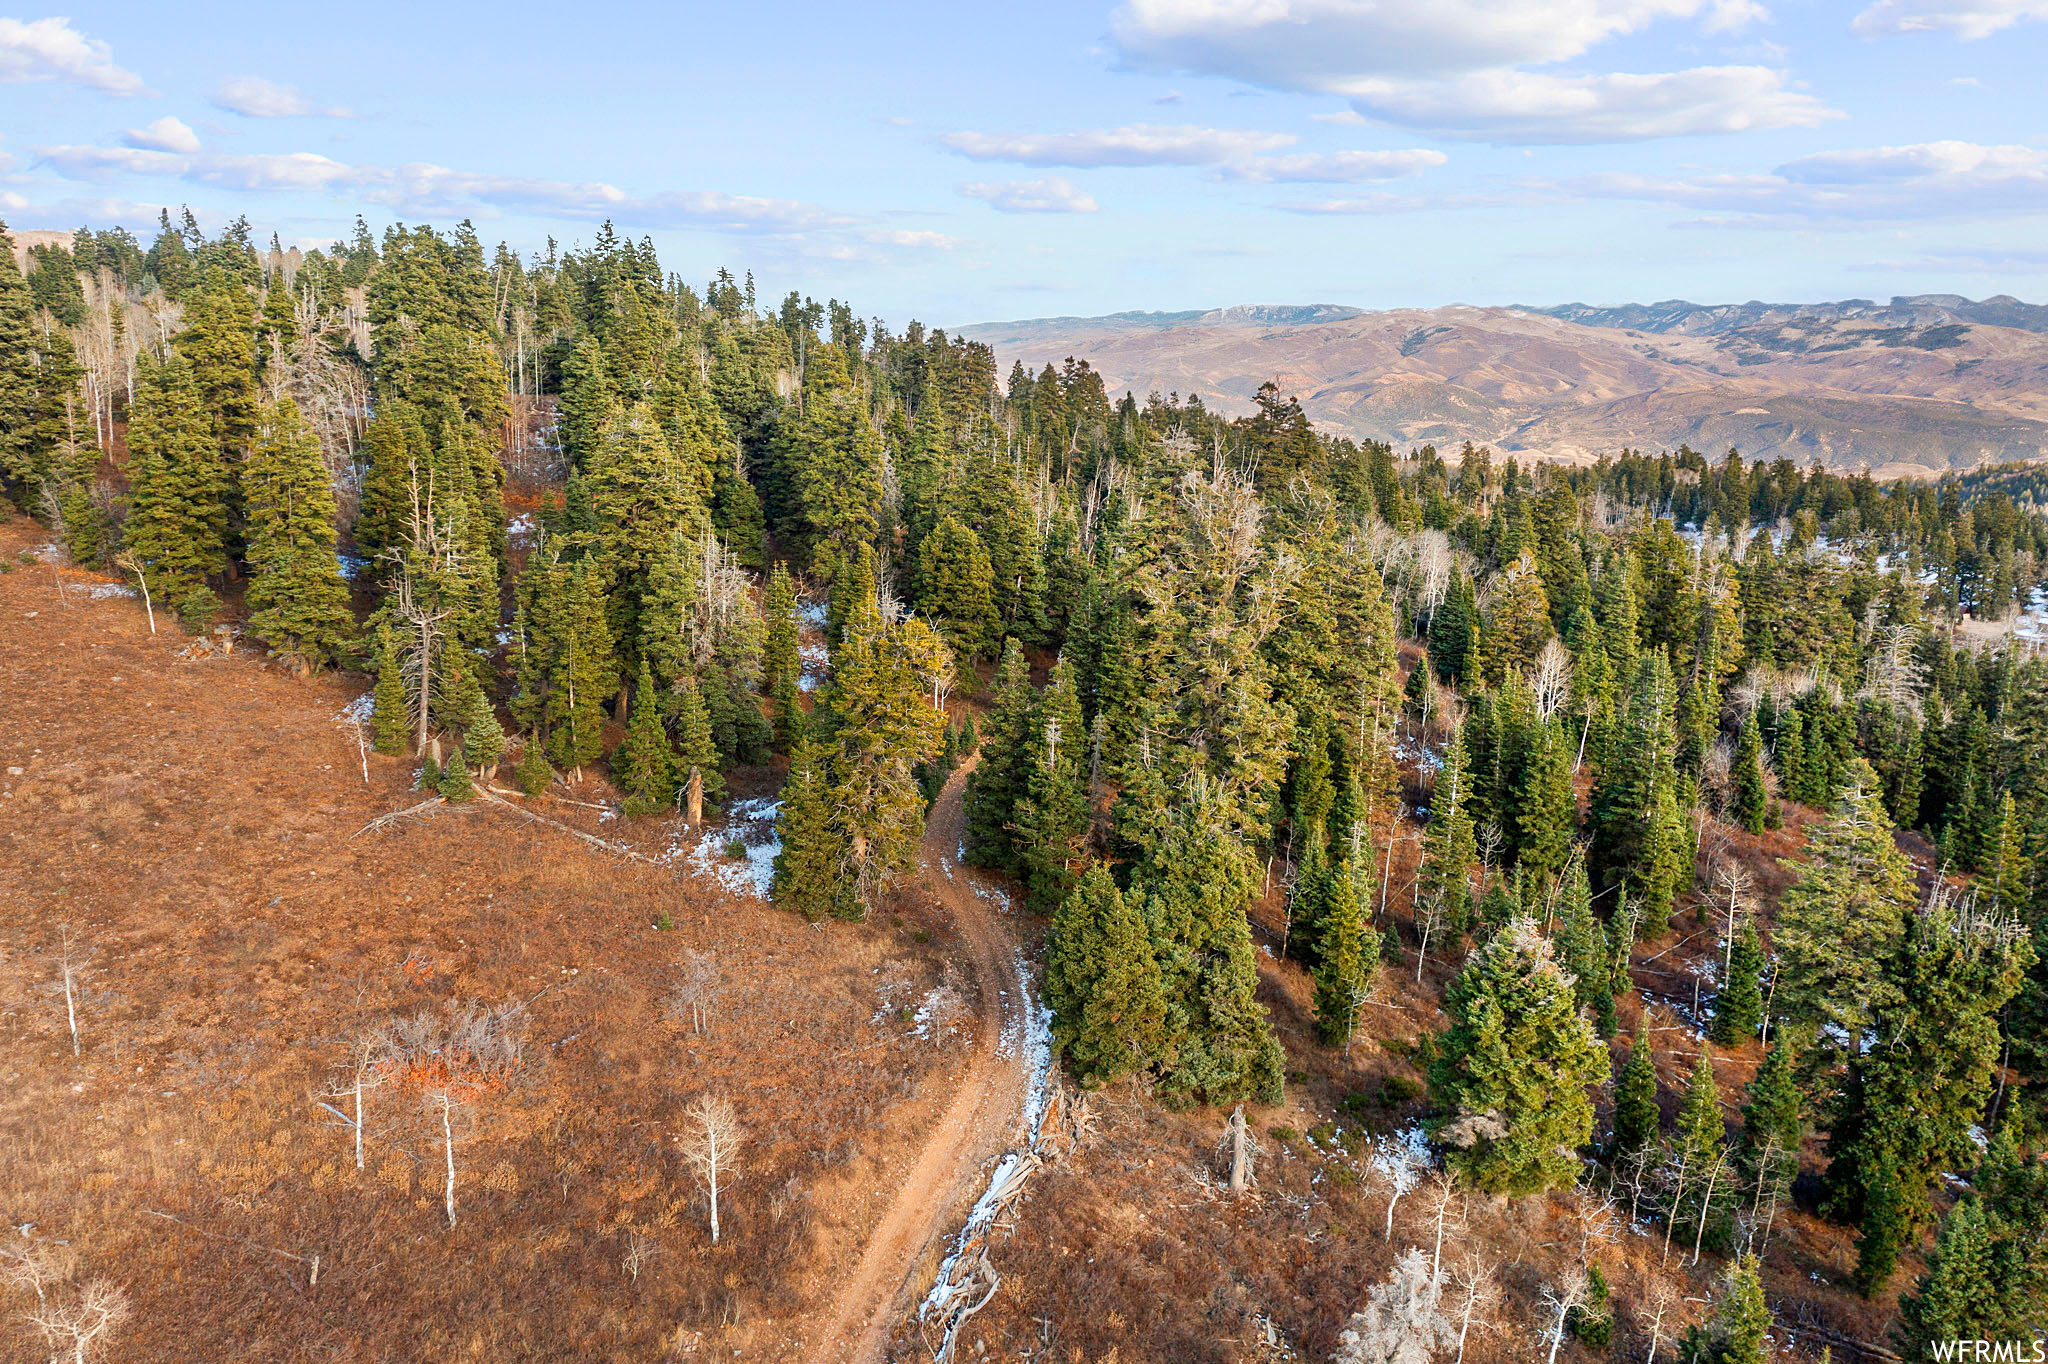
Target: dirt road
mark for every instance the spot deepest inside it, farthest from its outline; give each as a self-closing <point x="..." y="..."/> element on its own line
<point x="985" y="1117"/>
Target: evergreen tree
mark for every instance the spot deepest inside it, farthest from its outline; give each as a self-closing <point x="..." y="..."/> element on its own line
<point x="1841" y="920"/>
<point x="1582" y="950"/>
<point x="645" y="762"/>
<point x="1773" y="1130"/>
<point x="1348" y="958"/>
<point x="1701" y="1187"/>
<point x="782" y="659"/>
<point x="1449" y="844"/>
<point x="696" y="754"/>
<point x="998" y="779"/>
<point x="297" y="599"/>
<point x="1637" y="1118"/>
<point x="1739" y="1003"/>
<point x="955" y="586"/>
<point x="1957" y="1298"/>
<point x="1740" y="1330"/>
<point x="1050" y="819"/>
<point x="1512" y="1070"/>
<point x="1747" y="799"/>
<point x="392" y="720"/>
<point x="533" y="772"/>
<point x="177" y="516"/>
<point x="808" y="868"/>
<point x="1102" y="983"/>
<point x="1545" y="806"/>
<point x="454" y="783"/>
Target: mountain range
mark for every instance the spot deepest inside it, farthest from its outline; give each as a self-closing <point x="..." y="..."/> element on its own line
<point x="1908" y="388"/>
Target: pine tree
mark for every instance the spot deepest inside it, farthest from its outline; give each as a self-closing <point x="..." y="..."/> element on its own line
<point x="1348" y="959"/>
<point x="1747" y="800"/>
<point x="297" y="599"/>
<point x="1773" y="1131"/>
<point x="177" y="517"/>
<point x="1449" y="844"/>
<point x="533" y="772"/>
<point x="1702" y="1189"/>
<point x="1102" y="983"/>
<point x="1545" y="806"/>
<point x="1841" y="920"/>
<point x="1637" y="1118"/>
<point x="1050" y="819"/>
<point x="1582" y="950"/>
<point x="696" y="755"/>
<point x="1228" y="1054"/>
<point x="1739" y="1003"/>
<point x="645" y="762"/>
<point x="21" y="460"/>
<point x="808" y="867"/>
<point x="454" y="783"/>
<point x="955" y="586"/>
<point x="1740" y="1330"/>
<point x="998" y="779"/>
<point x="782" y="659"/>
<point x="1512" y="1070"/>
<point x="392" y="720"/>
<point x="1957" y="1298"/>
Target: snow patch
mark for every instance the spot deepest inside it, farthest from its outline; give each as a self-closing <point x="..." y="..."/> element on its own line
<point x="102" y="591"/>
<point x="749" y="823"/>
<point x="816" y="661"/>
<point x="351" y="566"/>
<point x="359" y="710"/>
<point x="519" y="525"/>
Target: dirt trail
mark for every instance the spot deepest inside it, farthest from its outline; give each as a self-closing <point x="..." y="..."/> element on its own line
<point x="981" y="1121"/>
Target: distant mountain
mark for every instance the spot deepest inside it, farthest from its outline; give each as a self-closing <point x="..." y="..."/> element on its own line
<point x="1911" y="387"/>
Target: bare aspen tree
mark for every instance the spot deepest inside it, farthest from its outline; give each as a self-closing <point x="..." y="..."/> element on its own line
<point x="640" y="1248"/>
<point x="1400" y="1160"/>
<point x="367" y="1068"/>
<point x="1736" y="886"/>
<point x="1477" y="1294"/>
<point x="694" y="988"/>
<point x="1552" y="677"/>
<point x="452" y="1111"/>
<point x="81" y="1328"/>
<point x="128" y="563"/>
<point x="71" y="964"/>
<point x="1663" y="1300"/>
<point x="37" y="1269"/>
<point x="710" y="1142"/>
<point x="1561" y="1297"/>
<point x="1443" y="1210"/>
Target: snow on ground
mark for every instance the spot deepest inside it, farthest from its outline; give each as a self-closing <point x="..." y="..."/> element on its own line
<point x="816" y="662"/>
<point x="748" y="823"/>
<point x="811" y="613"/>
<point x="102" y="591"/>
<point x="351" y="566"/>
<point x="359" y="710"/>
<point x="519" y="525"/>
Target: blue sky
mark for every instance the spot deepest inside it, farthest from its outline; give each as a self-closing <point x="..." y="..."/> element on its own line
<point x="963" y="163"/>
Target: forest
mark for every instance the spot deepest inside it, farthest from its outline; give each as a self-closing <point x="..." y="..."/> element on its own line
<point x="1242" y="703"/>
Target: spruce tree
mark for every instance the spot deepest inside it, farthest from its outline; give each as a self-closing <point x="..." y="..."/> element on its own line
<point x="1049" y="821"/>
<point x="1773" y="1131"/>
<point x="695" y="752"/>
<point x="1739" y="1332"/>
<point x="392" y="721"/>
<point x="533" y="771"/>
<point x="1739" y="1003"/>
<point x="1839" y="923"/>
<point x="454" y="783"/>
<point x="177" y="514"/>
<point x="1701" y="1186"/>
<point x="645" y="762"/>
<point x="1228" y="1054"/>
<point x="998" y="779"/>
<point x="1449" y="844"/>
<point x="956" y="587"/>
<point x="1747" y="799"/>
<point x="808" y="867"/>
<point x="782" y="659"/>
<point x="22" y="466"/>
<point x="1957" y="1298"/>
<point x="1545" y="806"/>
<point x="1582" y="950"/>
<point x="1637" y="1118"/>
<point x="1348" y="958"/>
<point x="1512" y="1071"/>
<point x="1102" y="983"/>
<point x="297" y="599"/>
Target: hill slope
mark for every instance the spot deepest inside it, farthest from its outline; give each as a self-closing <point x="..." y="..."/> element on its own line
<point x="1913" y="387"/>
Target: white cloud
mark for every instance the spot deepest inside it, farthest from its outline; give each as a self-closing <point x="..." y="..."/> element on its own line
<point x="1336" y="167"/>
<point x="254" y="97"/>
<point x="52" y="50"/>
<point x="1873" y="184"/>
<point x="1343" y="118"/>
<point x="423" y="188"/>
<point x="1967" y="19"/>
<point x="1054" y="194"/>
<point x="167" y="134"/>
<point x="1458" y="67"/>
<point x="1531" y="107"/>
<point x="1138" y="144"/>
<point x="1372" y="204"/>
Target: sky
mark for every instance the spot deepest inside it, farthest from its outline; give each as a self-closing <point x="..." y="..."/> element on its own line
<point x="969" y="162"/>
